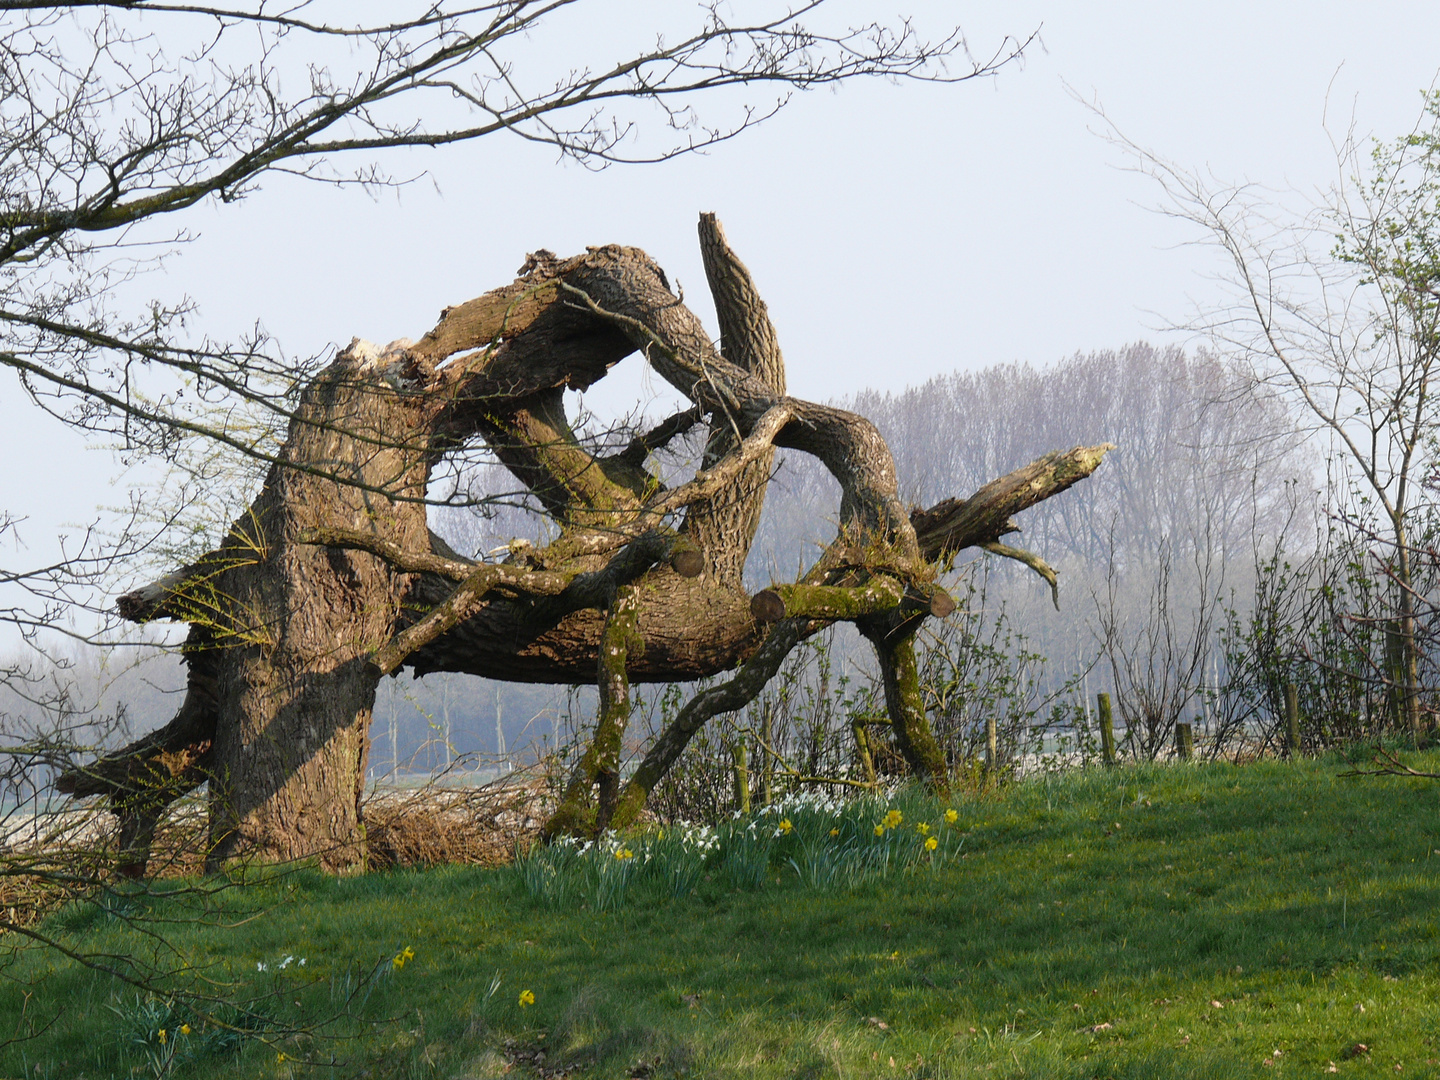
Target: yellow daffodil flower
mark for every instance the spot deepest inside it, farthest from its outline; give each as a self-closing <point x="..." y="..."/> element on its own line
<point x="923" y="828"/>
<point x="880" y="830"/>
<point x="893" y="819"/>
<point x="527" y="998"/>
<point x="162" y="1036"/>
<point x="624" y="853"/>
<point x="184" y="1029"/>
<point x="785" y="826"/>
<point x="834" y="832"/>
<point x="951" y="816"/>
<point x="931" y="844"/>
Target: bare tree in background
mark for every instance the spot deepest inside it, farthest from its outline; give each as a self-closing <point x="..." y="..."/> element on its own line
<point x="1337" y="306"/>
<point x="1193" y="440"/>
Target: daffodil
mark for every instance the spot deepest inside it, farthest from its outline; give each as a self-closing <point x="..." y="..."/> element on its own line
<point x="527" y="998"/>
<point x="951" y="816"/>
<point x="184" y="1029"/>
<point x="162" y="1036"/>
<point x="834" y="832"/>
<point x="280" y="1057"/>
<point x="624" y="853"/>
<point x="931" y="844"/>
<point x="923" y="828"/>
<point x="880" y="830"/>
<point x="786" y="826"/>
<point x="893" y="819"/>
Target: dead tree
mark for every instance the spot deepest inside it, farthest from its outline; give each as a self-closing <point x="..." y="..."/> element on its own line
<point x="332" y="580"/>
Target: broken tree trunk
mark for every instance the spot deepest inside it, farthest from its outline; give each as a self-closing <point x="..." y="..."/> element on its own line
<point x="332" y="580"/>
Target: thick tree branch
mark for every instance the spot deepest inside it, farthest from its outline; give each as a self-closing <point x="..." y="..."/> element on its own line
<point x="950" y="526"/>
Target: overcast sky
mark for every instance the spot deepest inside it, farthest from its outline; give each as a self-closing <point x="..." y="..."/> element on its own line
<point x="897" y="231"/>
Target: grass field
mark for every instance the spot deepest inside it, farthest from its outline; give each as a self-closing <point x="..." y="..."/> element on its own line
<point x="1187" y="921"/>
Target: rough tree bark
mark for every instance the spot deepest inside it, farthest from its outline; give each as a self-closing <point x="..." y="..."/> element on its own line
<point x="332" y="579"/>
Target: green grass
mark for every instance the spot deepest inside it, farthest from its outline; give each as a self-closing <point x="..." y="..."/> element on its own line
<point x="1143" y="922"/>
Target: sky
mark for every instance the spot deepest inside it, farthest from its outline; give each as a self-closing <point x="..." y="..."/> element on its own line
<point x="897" y="232"/>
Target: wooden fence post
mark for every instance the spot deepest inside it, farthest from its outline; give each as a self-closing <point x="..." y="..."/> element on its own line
<point x="1292" y="720"/>
<point x="992" y="746"/>
<point x="742" y="775"/>
<point x="1107" y="728"/>
<point x="1184" y="741"/>
<point x="767" y="765"/>
<point x="862" y="747"/>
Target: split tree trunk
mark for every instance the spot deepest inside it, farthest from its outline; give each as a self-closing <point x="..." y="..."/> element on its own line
<point x="332" y="579"/>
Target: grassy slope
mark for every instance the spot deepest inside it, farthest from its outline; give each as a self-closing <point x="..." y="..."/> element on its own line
<point x="1136" y="899"/>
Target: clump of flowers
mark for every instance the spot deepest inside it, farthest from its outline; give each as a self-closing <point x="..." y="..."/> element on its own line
<point x="403" y="957"/>
<point x="621" y="854"/>
<point x="289" y="959"/>
<point x="893" y="819"/>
